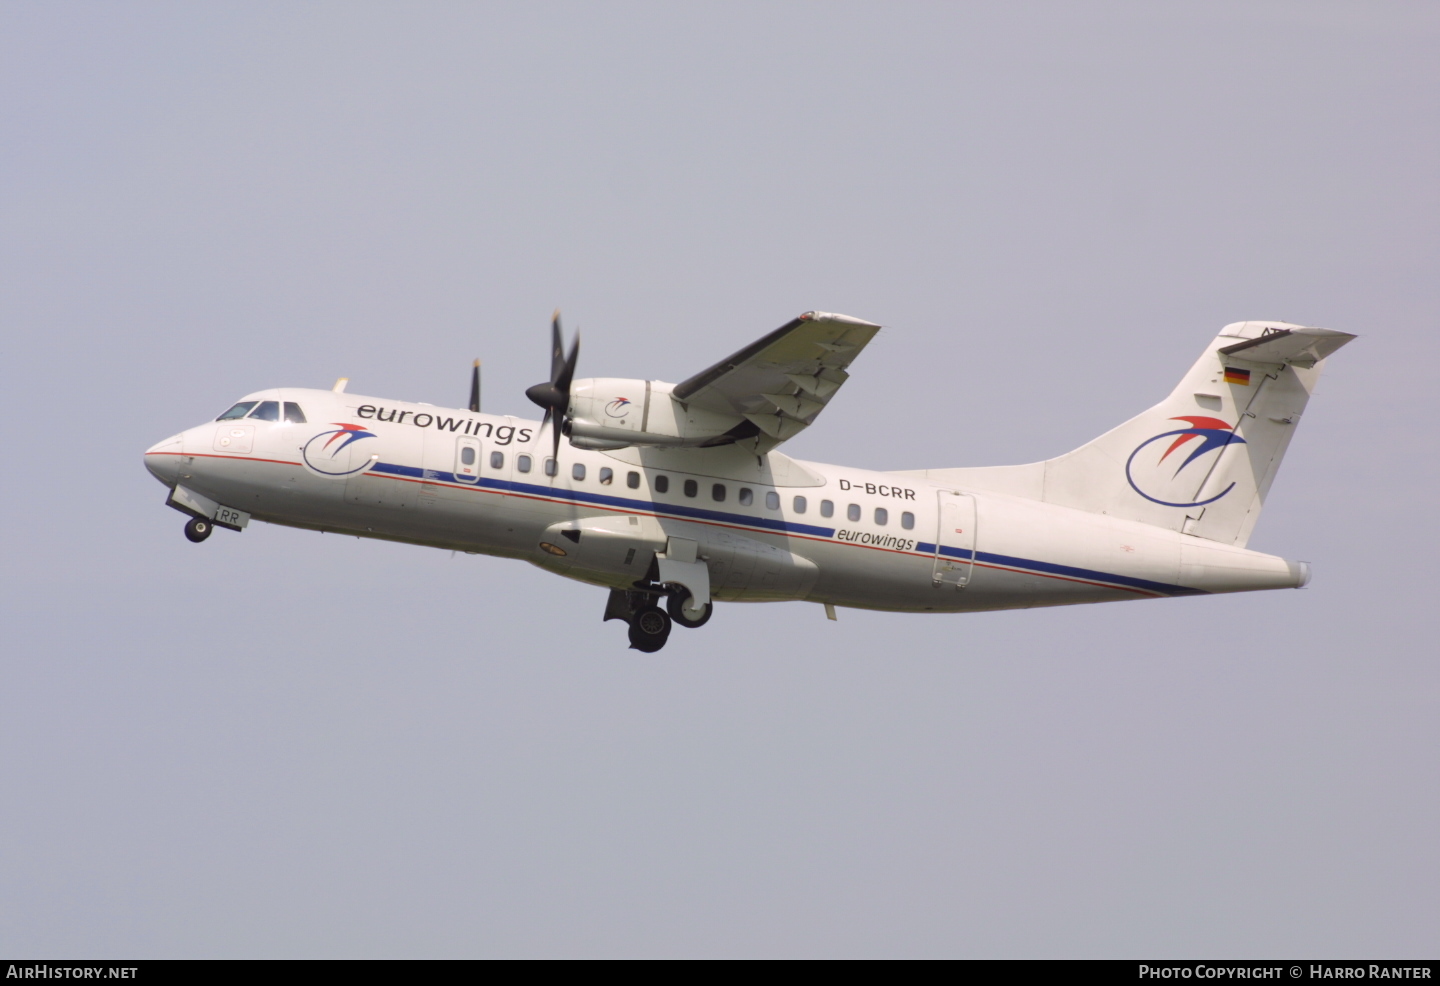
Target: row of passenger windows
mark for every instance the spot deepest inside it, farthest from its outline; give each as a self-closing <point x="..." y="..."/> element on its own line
<point x="719" y="492"/>
<point x="265" y="411"/>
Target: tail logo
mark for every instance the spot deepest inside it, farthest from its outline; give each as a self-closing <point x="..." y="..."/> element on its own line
<point x="1153" y="479"/>
<point x="326" y="458"/>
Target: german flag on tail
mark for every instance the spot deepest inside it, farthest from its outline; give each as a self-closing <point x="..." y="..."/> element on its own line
<point x="1233" y="375"/>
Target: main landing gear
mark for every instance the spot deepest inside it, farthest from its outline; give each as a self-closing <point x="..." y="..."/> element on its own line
<point x="649" y="629"/>
<point x="678" y="602"/>
<point x="649" y="624"/>
<point x="197" y="529"/>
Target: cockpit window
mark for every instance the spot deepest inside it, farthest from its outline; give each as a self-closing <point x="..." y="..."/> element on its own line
<point x="238" y="411"/>
<point x="293" y="414"/>
<point x="267" y="411"/>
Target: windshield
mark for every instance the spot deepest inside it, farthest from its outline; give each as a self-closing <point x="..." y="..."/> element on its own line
<point x="238" y="411"/>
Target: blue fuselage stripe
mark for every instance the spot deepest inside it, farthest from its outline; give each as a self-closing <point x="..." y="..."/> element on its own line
<point x="779" y="526"/>
<point x="1051" y="568"/>
<point x="601" y="499"/>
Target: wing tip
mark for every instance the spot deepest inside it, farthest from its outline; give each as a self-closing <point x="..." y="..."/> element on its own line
<point x="818" y="316"/>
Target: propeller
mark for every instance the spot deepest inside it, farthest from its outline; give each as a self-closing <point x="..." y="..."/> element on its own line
<point x="475" y="387"/>
<point x="554" y="394"/>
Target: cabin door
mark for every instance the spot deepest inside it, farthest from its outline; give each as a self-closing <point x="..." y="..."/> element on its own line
<point x="467" y="460"/>
<point x="955" y="540"/>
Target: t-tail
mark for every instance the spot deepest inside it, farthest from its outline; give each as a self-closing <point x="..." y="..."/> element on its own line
<point x="1202" y="460"/>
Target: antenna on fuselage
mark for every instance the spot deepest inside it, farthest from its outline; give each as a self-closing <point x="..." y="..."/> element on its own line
<point x="340" y="385"/>
<point x="475" y="387"/>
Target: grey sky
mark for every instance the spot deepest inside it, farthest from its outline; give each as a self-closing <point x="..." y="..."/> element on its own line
<point x="289" y="744"/>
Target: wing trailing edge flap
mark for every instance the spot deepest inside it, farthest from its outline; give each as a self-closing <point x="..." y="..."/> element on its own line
<point x="781" y="382"/>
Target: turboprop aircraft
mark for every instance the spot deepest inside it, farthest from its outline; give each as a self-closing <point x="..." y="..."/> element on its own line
<point x="673" y="496"/>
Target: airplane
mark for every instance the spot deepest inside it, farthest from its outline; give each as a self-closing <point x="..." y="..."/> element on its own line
<point x="675" y="496"/>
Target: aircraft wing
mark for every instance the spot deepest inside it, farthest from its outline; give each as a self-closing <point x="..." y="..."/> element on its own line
<point x="780" y="382"/>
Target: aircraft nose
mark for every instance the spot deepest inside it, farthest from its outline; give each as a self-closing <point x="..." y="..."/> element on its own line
<point x="163" y="459"/>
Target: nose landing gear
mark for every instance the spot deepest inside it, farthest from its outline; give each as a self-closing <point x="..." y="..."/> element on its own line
<point x="197" y="529"/>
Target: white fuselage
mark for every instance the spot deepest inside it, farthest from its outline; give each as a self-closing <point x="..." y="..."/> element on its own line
<point x="769" y="528"/>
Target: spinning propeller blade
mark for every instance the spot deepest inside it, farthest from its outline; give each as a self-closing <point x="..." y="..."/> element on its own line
<point x="554" y="394"/>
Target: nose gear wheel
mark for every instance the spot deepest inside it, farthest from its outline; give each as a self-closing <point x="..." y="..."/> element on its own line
<point x="197" y="529"/>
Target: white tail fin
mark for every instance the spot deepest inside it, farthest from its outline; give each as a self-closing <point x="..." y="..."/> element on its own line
<point x="1200" y="461"/>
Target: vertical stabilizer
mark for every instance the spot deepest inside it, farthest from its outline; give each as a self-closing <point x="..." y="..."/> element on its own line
<point x="1202" y="460"/>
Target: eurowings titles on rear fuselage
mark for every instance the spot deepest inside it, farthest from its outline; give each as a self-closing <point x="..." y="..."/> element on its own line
<point x="674" y="496"/>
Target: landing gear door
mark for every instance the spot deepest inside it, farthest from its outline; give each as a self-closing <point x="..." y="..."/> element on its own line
<point x="955" y="540"/>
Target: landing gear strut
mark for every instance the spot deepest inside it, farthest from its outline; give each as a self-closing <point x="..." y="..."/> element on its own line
<point x="197" y="529"/>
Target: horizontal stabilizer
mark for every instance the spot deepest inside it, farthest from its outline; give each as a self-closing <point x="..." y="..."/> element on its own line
<point x="1296" y="347"/>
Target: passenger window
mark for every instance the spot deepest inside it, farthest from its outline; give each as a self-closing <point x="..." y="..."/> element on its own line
<point x="662" y="484"/>
<point x="607" y="476"/>
<point x="882" y="516"/>
<point x="497" y="460"/>
<point x="853" y="511"/>
<point x="907" y="521"/>
<point x="552" y="468"/>
<point x="800" y="504"/>
<point x="267" y="411"/>
<point x="522" y="463"/>
<point x="692" y="488"/>
<point x="578" y="471"/>
<point x="293" y="414"/>
<point x="238" y="411"/>
<point x="467" y="456"/>
<point x="717" y="492"/>
<point x="827" y="508"/>
<point x="747" y="496"/>
<point x="632" y="480"/>
<point x="772" y="500"/>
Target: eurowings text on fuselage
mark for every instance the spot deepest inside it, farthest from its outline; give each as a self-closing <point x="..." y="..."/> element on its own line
<point x="682" y="497"/>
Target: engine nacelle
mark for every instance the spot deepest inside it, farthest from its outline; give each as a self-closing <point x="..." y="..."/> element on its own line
<point x="610" y="413"/>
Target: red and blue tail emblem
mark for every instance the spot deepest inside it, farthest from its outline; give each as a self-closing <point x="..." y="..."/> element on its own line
<point x="1155" y="476"/>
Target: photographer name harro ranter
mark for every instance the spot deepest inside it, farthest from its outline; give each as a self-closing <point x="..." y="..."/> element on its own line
<point x="1338" y="970"/>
